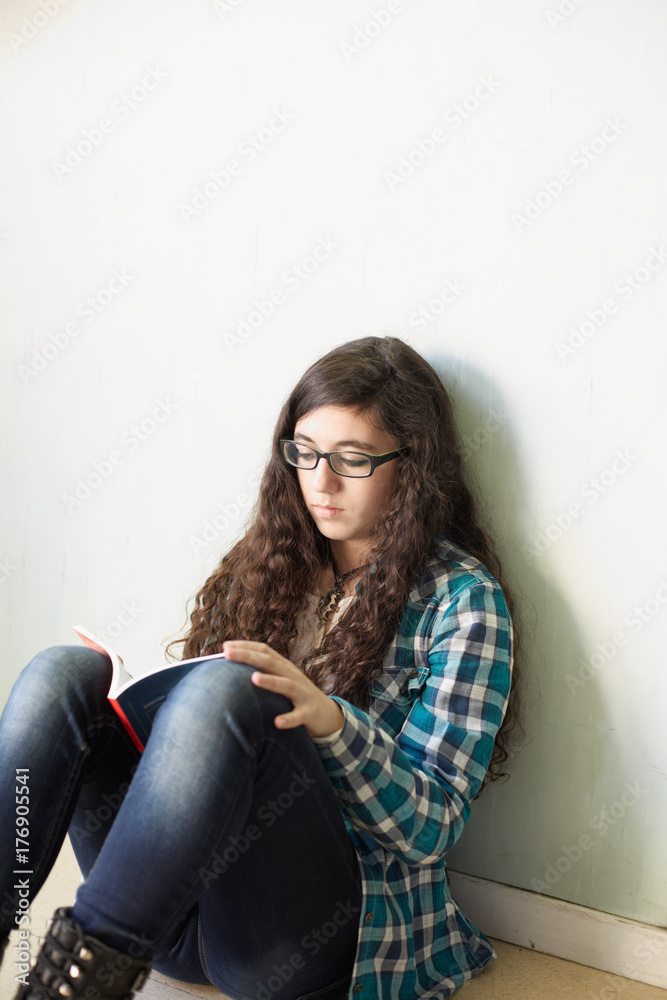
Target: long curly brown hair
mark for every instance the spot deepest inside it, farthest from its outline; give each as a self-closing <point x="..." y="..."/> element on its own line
<point x="262" y="581"/>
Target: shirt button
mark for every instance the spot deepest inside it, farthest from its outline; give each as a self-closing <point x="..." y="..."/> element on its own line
<point x="369" y="917"/>
<point x="357" y="988"/>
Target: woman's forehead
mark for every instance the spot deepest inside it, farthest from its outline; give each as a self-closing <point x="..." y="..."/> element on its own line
<point x="341" y="421"/>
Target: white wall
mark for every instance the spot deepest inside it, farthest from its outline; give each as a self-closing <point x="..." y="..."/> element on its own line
<point x="534" y="89"/>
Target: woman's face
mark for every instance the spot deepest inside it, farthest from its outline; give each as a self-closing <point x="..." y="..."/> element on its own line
<point x="357" y="502"/>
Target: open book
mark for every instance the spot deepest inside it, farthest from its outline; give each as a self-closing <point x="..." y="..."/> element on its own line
<point x="137" y="699"/>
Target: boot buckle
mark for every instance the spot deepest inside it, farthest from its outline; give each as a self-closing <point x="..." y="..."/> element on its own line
<point x="138" y="983"/>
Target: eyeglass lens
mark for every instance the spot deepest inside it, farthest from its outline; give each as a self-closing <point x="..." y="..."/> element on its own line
<point x="344" y="462"/>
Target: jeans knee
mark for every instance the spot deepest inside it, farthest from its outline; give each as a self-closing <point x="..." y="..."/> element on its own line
<point x="216" y="689"/>
<point x="61" y="670"/>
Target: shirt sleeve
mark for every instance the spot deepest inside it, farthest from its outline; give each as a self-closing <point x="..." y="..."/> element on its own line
<point x="412" y="794"/>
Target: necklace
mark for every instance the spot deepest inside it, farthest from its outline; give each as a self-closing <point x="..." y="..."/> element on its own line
<point x="329" y="602"/>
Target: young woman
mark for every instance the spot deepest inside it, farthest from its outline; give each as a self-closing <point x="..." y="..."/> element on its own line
<point x="284" y="833"/>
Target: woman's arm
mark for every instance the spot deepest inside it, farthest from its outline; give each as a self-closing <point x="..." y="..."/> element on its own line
<point x="412" y="794"/>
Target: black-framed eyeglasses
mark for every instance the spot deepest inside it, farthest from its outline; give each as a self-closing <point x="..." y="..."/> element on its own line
<point x="355" y="464"/>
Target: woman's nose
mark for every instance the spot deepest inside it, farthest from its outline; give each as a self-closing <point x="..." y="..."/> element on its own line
<point x="324" y="477"/>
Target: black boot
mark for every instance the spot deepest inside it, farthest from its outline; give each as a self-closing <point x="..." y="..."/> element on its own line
<point x="72" y="964"/>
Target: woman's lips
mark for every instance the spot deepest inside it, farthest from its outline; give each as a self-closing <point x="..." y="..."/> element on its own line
<point x="326" y="511"/>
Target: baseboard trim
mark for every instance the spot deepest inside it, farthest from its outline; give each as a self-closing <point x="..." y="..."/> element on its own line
<point x="599" y="940"/>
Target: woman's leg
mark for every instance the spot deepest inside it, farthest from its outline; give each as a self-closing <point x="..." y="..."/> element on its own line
<point x="64" y="759"/>
<point x="230" y="813"/>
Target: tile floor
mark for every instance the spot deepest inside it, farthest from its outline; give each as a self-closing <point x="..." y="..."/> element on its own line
<point x="519" y="974"/>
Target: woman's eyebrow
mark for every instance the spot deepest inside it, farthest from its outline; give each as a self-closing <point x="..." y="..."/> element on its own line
<point x="353" y="442"/>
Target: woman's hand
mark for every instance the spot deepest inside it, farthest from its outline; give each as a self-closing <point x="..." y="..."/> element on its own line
<point x="319" y="713"/>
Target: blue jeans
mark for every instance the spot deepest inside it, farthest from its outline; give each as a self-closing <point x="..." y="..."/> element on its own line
<point x="220" y="853"/>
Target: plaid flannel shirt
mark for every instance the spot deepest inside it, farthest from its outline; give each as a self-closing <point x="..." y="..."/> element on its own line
<point x="405" y="773"/>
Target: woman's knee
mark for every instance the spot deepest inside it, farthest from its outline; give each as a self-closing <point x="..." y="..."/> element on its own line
<point x="59" y="691"/>
<point x="60" y="670"/>
<point x="220" y="688"/>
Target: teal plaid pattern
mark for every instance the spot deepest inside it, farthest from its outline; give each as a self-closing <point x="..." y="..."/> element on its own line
<point x="405" y="773"/>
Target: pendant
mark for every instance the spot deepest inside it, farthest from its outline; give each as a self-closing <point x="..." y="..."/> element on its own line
<point x="324" y="611"/>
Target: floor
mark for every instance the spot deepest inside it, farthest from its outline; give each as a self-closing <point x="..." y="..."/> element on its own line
<point x="518" y="973"/>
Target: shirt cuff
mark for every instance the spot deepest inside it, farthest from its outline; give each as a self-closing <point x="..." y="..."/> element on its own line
<point x="354" y="744"/>
<point x="324" y="741"/>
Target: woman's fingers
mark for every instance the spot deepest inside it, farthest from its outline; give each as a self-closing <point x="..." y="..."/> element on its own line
<point x="256" y="654"/>
<point x="313" y="709"/>
<point x="282" y="685"/>
<point x="291" y="689"/>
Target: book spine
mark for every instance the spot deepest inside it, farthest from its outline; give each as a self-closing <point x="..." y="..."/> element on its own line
<point x="126" y="722"/>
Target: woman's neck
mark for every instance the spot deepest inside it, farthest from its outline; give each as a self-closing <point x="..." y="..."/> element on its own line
<point x="327" y="581"/>
<point x="346" y="558"/>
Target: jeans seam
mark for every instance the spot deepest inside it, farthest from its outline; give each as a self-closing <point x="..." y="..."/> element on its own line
<point x="84" y="752"/>
<point x="337" y="982"/>
<point x="56" y="825"/>
<point x="202" y="956"/>
<point x="73" y="777"/>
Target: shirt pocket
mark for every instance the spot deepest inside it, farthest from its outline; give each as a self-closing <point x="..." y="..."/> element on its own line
<point x="416" y="679"/>
<point x="400" y="685"/>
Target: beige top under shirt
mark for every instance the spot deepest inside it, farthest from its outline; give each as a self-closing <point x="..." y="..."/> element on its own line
<point x="309" y="636"/>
